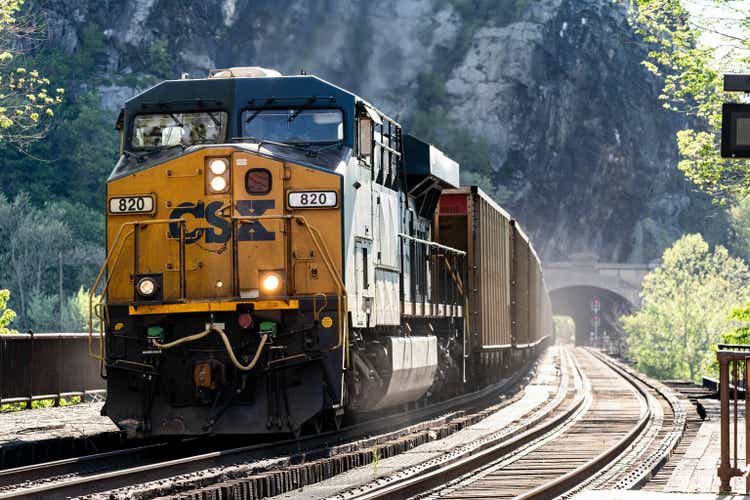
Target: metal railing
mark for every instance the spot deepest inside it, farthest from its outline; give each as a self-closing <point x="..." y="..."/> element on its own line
<point x="47" y="366"/>
<point x="96" y="302"/>
<point x="734" y="372"/>
<point x="131" y="229"/>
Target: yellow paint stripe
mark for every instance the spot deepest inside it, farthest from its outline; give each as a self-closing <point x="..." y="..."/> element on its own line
<point x="198" y="307"/>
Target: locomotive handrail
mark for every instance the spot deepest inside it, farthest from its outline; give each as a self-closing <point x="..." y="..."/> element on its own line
<point x="432" y="244"/>
<point x="119" y="243"/>
<point x="116" y="251"/>
<point x="323" y="250"/>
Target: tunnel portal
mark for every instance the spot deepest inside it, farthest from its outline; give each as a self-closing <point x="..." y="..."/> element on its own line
<point x="595" y="312"/>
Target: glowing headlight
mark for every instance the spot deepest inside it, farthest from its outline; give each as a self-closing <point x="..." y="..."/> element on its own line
<point x="218" y="184"/>
<point x="218" y="167"/>
<point x="270" y="283"/>
<point x="146" y="287"/>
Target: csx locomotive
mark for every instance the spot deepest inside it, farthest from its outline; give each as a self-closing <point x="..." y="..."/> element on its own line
<point x="276" y="258"/>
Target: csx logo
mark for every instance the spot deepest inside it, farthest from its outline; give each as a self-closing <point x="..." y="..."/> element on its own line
<point x="220" y="228"/>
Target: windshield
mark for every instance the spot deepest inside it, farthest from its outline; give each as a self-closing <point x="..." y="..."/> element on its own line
<point x="164" y="130"/>
<point x="294" y="125"/>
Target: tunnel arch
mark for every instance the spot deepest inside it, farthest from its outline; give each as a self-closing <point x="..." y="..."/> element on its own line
<point x="576" y="301"/>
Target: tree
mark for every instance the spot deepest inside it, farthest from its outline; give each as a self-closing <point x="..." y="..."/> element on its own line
<point x="6" y="315"/>
<point x="692" y="73"/>
<point x="27" y="102"/>
<point x="740" y="219"/>
<point x="33" y="241"/>
<point x="686" y="303"/>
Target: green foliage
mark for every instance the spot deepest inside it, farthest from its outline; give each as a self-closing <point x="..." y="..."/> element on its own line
<point x="692" y="75"/>
<point x="158" y="59"/>
<point x="740" y="220"/>
<point x="740" y="334"/>
<point x="27" y="99"/>
<point x="565" y="329"/>
<point x="72" y="163"/>
<point x="686" y="304"/>
<point x="42" y="403"/>
<point x="6" y="315"/>
<point x="76" y="317"/>
<point x="42" y="256"/>
<point x="53" y="229"/>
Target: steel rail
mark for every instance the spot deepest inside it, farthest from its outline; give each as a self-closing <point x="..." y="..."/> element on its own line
<point x="440" y="473"/>
<point x="310" y="447"/>
<point x="576" y="476"/>
<point x="652" y="463"/>
<point x="444" y="473"/>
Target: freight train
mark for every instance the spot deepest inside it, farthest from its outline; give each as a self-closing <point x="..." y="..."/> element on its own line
<point x="280" y="254"/>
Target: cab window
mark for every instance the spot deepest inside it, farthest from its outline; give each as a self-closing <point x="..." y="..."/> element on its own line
<point x="163" y="130"/>
<point x="296" y="126"/>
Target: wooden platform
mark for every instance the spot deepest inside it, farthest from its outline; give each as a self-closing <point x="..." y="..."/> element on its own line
<point x="696" y="471"/>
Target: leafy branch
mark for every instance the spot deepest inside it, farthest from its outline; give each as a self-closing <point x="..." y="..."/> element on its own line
<point x="692" y="74"/>
<point x="27" y="101"/>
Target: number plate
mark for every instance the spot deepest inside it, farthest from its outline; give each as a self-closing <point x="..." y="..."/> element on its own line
<point x="131" y="205"/>
<point x="312" y="199"/>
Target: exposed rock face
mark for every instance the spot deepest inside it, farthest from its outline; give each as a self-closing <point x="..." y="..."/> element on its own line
<point x="572" y="124"/>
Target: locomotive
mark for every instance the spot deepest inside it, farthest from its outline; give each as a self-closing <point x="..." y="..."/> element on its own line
<point x="280" y="254"/>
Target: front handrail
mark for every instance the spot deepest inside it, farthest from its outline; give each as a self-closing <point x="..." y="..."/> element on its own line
<point x="119" y="244"/>
<point x="114" y="256"/>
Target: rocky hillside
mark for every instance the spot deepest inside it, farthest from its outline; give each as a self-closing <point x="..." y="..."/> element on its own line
<point x="543" y="101"/>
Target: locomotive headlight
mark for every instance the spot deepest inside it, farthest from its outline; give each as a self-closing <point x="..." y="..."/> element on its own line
<point x="147" y="287"/>
<point x="218" y="166"/>
<point x="218" y="184"/>
<point x="270" y="283"/>
<point x="217" y="175"/>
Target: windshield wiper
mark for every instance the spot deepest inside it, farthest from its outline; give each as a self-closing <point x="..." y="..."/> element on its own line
<point x="268" y="102"/>
<point x="307" y="147"/>
<point x="161" y="149"/>
<point x="178" y="122"/>
<point x="214" y="119"/>
<point x="330" y="146"/>
<point x="306" y="105"/>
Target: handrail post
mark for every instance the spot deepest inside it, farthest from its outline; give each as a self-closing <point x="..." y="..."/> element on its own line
<point x="183" y="274"/>
<point x="725" y="472"/>
<point x="136" y="249"/>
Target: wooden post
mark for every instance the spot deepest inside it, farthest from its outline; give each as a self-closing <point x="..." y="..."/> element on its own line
<point x="725" y="471"/>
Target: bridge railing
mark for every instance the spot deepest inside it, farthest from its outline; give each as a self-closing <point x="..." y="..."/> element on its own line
<point x="734" y="372"/>
<point x="47" y="366"/>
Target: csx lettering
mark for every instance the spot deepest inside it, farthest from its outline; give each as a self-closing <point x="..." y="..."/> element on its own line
<point x="254" y="230"/>
<point x="219" y="229"/>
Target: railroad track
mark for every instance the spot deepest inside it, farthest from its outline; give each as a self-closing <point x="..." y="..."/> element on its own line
<point x="297" y="461"/>
<point x="612" y="429"/>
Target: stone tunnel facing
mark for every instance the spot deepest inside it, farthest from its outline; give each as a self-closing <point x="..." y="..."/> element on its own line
<point x="595" y="312"/>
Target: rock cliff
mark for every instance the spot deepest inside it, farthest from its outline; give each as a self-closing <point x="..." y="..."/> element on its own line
<point x="545" y="102"/>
